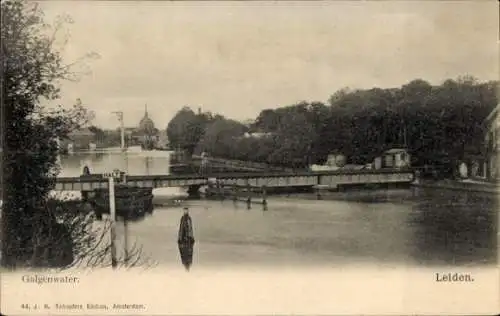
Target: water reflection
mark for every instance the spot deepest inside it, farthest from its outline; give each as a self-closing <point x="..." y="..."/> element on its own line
<point x="186" y="252"/>
<point x="135" y="163"/>
<point x="454" y="227"/>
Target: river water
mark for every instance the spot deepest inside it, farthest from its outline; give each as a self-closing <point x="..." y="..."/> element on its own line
<point x="415" y="226"/>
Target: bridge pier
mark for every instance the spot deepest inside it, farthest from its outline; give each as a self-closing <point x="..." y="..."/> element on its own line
<point x="318" y="193"/>
<point x="221" y="191"/>
<point x="194" y="190"/>
<point x="85" y="195"/>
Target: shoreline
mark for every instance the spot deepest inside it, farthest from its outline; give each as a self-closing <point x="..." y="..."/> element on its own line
<point x="459" y="186"/>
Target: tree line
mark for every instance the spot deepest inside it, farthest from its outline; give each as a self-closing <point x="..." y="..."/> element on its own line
<point x="436" y="123"/>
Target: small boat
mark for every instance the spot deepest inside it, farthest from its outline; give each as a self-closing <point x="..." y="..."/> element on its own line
<point x="130" y="202"/>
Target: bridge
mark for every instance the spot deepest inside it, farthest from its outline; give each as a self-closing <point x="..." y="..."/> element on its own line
<point x="238" y="164"/>
<point x="257" y="179"/>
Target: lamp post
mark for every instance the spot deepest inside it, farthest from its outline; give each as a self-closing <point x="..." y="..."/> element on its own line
<point x="122" y="128"/>
<point x="123" y="149"/>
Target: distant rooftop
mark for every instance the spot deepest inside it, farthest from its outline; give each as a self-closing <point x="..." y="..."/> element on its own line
<point x="82" y="132"/>
<point x="248" y="122"/>
<point x="395" y="150"/>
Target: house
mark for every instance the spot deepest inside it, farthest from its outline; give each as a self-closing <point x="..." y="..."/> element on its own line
<point x="483" y="164"/>
<point x="377" y="163"/>
<point x="334" y="161"/>
<point x="396" y="158"/>
<point x="491" y="145"/>
<point x="81" y="139"/>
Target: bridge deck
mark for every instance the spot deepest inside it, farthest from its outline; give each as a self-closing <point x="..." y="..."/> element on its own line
<point x="278" y="179"/>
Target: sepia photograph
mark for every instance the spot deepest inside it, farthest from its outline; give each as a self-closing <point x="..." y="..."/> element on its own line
<point x="249" y="157"/>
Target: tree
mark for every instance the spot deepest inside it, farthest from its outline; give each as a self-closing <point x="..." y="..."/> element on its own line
<point x="186" y="129"/>
<point x="220" y="137"/>
<point x="266" y="121"/>
<point x="32" y="71"/>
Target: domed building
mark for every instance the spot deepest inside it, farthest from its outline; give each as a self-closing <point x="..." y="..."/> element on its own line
<point x="146" y="133"/>
<point x="146" y="124"/>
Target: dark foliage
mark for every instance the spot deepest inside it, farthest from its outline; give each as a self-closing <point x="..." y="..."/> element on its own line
<point x="436" y="123"/>
<point x="31" y="70"/>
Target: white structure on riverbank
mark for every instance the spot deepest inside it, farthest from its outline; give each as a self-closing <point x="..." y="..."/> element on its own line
<point x="396" y="158"/>
<point x="333" y="162"/>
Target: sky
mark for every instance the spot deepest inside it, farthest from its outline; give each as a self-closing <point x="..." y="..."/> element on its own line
<point x="237" y="58"/>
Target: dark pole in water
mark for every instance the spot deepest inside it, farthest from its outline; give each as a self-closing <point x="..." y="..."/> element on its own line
<point x="249" y="197"/>
<point x="221" y="191"/>
<point x="264" y="197"/>
<point x="235" y="194"/>
<point x="318" y="193"/>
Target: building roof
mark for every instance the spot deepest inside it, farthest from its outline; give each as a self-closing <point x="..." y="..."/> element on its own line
<point x="395" y="150"/>
<point x="82" y="132"/>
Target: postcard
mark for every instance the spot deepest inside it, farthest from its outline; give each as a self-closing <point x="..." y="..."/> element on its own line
<point x="249" y="158"/>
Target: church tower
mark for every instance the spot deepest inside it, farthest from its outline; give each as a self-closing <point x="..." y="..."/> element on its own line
<point x="146" y="124"/>
<point x="147" y="131"/>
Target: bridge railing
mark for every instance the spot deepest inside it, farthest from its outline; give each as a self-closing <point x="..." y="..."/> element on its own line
<point x="242" y="175"/>
<point x="243" y="164"/>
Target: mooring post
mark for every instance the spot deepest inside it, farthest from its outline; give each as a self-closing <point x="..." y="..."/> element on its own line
<point x="249" y="196"/>
<point x="221" y="191"/>
<point x="318" y="193"/>
<point x="264" y="197"/>
<point x="416" y="178"/>
<point x="112" y="213"/>
<point x="235" y="193"/>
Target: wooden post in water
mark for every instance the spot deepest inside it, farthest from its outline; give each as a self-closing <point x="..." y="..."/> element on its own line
<point x="249" y="197"/>
<point x="221" y="191"/>
<point x="112" y="213"/>
<point x="264" y="197"/>
<point x="318" y="193"/>
<point x="235" y="194"/>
